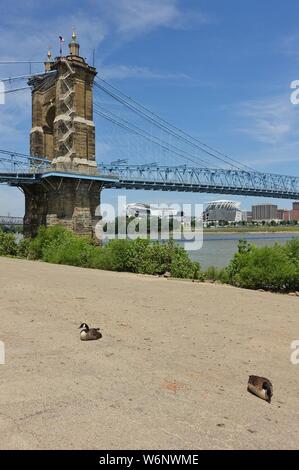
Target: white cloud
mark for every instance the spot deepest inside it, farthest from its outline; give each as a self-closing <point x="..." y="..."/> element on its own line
<point x="139" y="16"/>
<point x="134" y="17"/>
<point x="30" y="40"/>
<point x="29" y="29"/>
<point x="15" y="120"/>
<point x="280" y="158"/>
<point x="269" y="121"/>
<point x="133" y="71"/>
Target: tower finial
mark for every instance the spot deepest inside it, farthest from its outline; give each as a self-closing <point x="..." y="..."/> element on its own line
<point x="73" y="45"/>
<point x="49" y="60"/>
<point x="49" y="54"/>
<point x="74" y="34"/>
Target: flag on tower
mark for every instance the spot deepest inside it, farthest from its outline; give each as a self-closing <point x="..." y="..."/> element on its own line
<point x="61" y="41"/>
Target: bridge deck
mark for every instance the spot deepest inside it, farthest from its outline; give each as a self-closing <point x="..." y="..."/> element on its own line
<point x="196" y="180"/>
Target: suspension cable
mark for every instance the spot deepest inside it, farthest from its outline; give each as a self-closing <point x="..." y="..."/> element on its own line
<point x="142" y="134"/>
<point x="162" y="123"/>
<point x="148" y="136"/>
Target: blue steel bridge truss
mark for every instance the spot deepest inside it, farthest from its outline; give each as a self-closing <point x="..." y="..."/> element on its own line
<point x="196" y="179"/>
<point x="18" y="169"/>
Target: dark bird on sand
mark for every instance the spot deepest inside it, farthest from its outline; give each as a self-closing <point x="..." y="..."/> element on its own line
<point x="261" y="387"/>
<point x="89" y="334"/>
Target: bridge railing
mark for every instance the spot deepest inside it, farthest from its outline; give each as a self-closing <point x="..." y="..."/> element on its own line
<point x="153" y="176"/>
<point x="218" y="178"/>
<point x="8" y="220"/>
<point x="14" y="162"/>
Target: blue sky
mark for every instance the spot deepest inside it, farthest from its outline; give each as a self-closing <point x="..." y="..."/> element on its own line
<point x="219" y="69"/>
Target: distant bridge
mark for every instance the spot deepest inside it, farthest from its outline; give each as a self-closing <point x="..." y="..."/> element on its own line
<point x="8" y="220"/>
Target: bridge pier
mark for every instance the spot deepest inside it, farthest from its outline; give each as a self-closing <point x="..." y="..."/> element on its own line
<point x="70" y="203"/>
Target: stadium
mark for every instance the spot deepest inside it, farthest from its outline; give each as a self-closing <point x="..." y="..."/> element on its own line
<point x="223" y="211"/>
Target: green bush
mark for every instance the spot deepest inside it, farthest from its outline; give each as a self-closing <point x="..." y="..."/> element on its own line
<point x="8" y="245"/>
<point x="183" y="267"/>
<point x="211" y="273"/>
<point x="270" y="268"/>
<point x="292" y="250"/>
<point x="224" y="276"/>
<point x="215" y="274"/>
<point x="23" y="248"/>
<point x="44" y="239"/>
<point x="58" y="245"/>
<point x="118" y="252"/>
<point x="146" y="257"/>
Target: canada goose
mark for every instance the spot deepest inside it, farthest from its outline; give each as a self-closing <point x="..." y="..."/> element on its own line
<point x="89" y="334"/>
<point x="261" y="387"/>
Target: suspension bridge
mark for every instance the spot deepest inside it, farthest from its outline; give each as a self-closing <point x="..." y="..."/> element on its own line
<point x="137" y="149"/>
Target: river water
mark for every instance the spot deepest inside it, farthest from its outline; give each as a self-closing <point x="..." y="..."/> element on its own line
<point x="219" y="248"/>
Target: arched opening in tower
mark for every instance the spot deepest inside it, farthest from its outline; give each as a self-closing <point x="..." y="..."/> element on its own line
<point x="49" y="132"/>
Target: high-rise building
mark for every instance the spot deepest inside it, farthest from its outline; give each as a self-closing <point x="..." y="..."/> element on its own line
<point x="295" y="211"/>
<point x="264" y="212"/>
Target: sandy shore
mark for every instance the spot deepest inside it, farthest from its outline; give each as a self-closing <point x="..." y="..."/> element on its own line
<point x="170" y="371"/>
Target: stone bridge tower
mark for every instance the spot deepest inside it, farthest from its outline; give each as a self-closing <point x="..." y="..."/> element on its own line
<point x="64" y="132"/>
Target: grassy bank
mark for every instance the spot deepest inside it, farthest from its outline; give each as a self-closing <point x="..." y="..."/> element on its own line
<point x="273" y="268"/>
<point x="253" y="229"/>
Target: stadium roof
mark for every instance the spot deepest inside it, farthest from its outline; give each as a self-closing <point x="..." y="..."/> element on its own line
<point x="223" y="205"/>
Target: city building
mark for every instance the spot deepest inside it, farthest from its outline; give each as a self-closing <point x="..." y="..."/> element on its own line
<point x="280" y="214"/>
<point x="295" y="211"/>
<point x="287" y="215"/>
<point x="246" y="216"/>
<point x="138" y="209"/>
<point x="223" y="211"/>
<point x="265" y="212"/>
<point x="292" y="214"/>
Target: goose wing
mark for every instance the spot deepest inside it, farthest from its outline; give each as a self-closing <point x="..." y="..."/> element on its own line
<point x="95" y="333"/>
